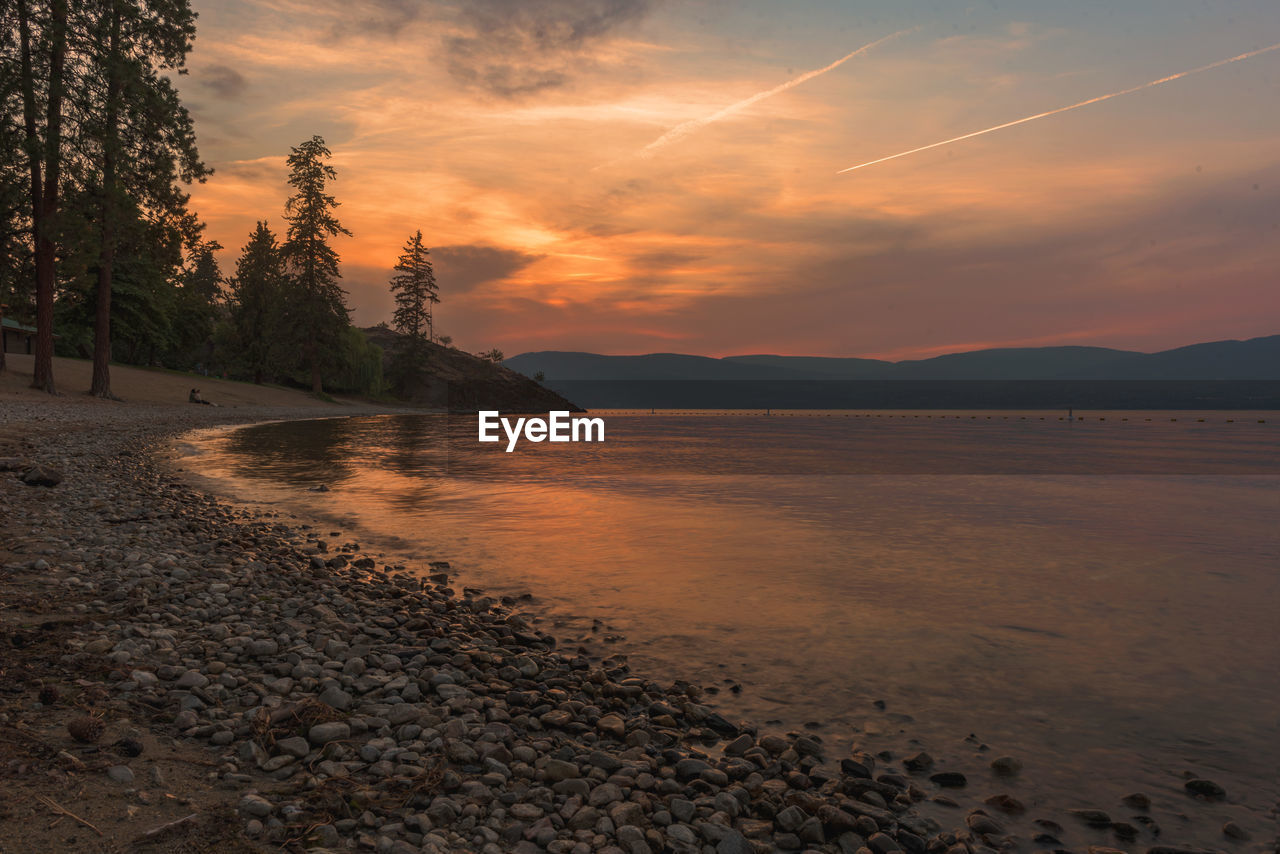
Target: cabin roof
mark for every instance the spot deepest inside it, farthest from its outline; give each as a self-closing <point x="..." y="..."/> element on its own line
<point x="10" y="323"/>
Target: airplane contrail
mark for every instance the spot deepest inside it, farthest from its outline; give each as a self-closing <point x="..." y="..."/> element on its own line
<point x="1107" y="97"/>
<point x="682" y="130"/>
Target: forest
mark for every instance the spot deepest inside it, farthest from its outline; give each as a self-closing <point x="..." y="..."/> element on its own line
<point x="102" y="254"/>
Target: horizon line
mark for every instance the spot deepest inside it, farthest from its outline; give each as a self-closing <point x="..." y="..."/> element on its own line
<point x="949" y="352"/>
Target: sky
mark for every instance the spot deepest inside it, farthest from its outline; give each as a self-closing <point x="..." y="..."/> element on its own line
<point x="636" y="176"/>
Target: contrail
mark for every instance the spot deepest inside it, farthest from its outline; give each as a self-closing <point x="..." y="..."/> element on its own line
<point x="680" y="131"/>
<point x="1129" y="91"/>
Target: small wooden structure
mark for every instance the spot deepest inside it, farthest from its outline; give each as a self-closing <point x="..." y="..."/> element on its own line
<point x="16" y="337"/>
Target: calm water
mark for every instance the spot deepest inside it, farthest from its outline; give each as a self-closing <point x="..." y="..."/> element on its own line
<point x="1097" y="598"/>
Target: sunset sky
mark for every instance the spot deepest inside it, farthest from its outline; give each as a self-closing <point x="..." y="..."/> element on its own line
<point x="531" y="141"/>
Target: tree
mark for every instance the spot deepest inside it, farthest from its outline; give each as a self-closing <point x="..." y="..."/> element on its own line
<point x="256" y="299"/>
<point x="141" y="138"/>
<point x="359" y="366"/>
<point x="15" y="211"/>
<point x="414" y="287"/>
<point x="319" y="303"/>
<point x="37" y="60"/>
<point x="415" y="290"/>
<point x="196" y="304"/>
<point x="149" y="305"/>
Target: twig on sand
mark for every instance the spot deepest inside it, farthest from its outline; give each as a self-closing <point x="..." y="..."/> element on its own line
<point x="61" y="810"/>
<point x="168" y="826"/>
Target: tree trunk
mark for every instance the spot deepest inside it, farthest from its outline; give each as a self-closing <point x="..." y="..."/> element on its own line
<point x="316" y="386"/>
<point x="101" y="384"/>
<point x="257" y="376"/>
<point x="44" y="193"/>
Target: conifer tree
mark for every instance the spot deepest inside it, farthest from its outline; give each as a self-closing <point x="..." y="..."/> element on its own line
<point x="415" y="290"/>
<point x="257" y="293"/>
<point x="318" y="303"/>
<point x="33" y="52"/>
<point x="141" y="138"/>
<point x="196" y="304"/>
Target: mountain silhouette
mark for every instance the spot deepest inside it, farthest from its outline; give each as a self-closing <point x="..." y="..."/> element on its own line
<point x="1255" y="359"/>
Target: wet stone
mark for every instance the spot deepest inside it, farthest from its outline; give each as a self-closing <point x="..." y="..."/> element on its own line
<point x="1206" y="789"/>
<point x="120" y="774"/>
<point x="949" y="779"/>
<point x="327" y="732"/>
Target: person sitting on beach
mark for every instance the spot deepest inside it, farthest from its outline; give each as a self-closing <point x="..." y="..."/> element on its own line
<point x="195" y="397"/>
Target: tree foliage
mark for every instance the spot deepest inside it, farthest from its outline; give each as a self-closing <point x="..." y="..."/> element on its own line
<point x="96" y="236"/>
<point x="139" y="140"/>
<point x="414" y="287"/>
<point x="161" y="309"/>
<point x="34" y="59"/>
<point x="318" y="304"/>
<point x="97" y="131"/>
<point x="257" y="306"/>
<point x="197" y="304"/>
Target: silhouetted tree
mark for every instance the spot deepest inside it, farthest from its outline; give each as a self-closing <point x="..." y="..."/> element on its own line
<point x="414" y="287"/>
<point x="257" y="293"/>
<point x="415" y="290"/>
<point x="150" y="319"/>
<point x="318" y="303"/>
<point x="86" y="106"/>
<point x="16" y="273"/>
<point x="196" y="304"/>
<point x="141" y="137"/>
<point x="34" y="58"/>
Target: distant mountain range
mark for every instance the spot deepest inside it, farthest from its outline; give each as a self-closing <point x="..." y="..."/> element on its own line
<point x="1257" y="359"/>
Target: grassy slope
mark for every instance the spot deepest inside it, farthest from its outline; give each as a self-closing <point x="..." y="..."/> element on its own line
<point x="150" y="386"/>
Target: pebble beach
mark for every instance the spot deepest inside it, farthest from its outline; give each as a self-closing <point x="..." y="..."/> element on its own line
<point x="346" y="704"/>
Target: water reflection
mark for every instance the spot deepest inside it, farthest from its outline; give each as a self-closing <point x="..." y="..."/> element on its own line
<point x="1116" y="630"/>
<point x="437" y="445"/>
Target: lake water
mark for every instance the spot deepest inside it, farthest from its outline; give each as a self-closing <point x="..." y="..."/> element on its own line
<point x="1097" y="598"/>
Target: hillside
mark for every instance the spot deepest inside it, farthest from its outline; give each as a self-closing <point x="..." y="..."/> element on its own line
<point x="461" y="382"/>
<point x="1255" y="359"/>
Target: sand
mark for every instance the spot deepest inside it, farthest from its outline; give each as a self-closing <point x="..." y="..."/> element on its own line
<point x="152" y="386"/>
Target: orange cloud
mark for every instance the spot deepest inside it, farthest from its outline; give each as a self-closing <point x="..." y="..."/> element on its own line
<point x="739" y="239"/>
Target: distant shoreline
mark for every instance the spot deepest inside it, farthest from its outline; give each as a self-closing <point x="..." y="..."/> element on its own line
<point x="840" y="394"/>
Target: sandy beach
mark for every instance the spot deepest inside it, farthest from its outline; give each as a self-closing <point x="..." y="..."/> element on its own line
<point x="184" y="675"/>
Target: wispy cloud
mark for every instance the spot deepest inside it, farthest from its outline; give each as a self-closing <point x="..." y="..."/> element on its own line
<point x="1046" y="114"/>
<point x="223" y="81"/>
<point x="474" y="121"/>
<point x="467" y="267"/>
<point x="692" y="126"/>
<point x="512" y="48"/>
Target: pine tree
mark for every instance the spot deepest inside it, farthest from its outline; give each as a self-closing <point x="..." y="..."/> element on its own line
<point x="415" y="290"/>
<point x="16" y="273"/>
<point x="37" y="59"/>
<point x="141" y="137"/>
<point x="257" y="294"/>
<point x="318" y="302"/>
<point x="197" y="304"/>
<point x="104" y="140"/>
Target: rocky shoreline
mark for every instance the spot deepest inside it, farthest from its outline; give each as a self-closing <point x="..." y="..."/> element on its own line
<point x="348" y="705"/>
